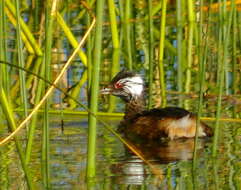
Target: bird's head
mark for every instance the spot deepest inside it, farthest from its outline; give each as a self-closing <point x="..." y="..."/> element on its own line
<point x="127" y="85"/>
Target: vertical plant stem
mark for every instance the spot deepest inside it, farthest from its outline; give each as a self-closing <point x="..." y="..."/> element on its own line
<point x="4" y="78"/>
<point x="21" y="61"/>
<point x="151" y="47"/>
<point x="221" y="70"/>
<point x="25" y="29"/>
<point x="191" y="20"/>
<point x="234" y="58"/>
<point x="95" y="90"/>
<point x="234" y="52"/>
<point x="113" y="25"/>
<point x="76" y="90"/>
<point x="114" y="69"/>
<point x="179" y="44"/>
<point x="12" y="125"/>
<point x="161" y="52"/>
<point x="34" y="119"/>
<point x="49" y="17"/>
<point x="202" y="52"/>
<point x="36" y="15"/>
<point x="89" y="53"/>
<point x="116" y="50"/>
<point x="127" y="35"/>
<point x="225" y="28"/>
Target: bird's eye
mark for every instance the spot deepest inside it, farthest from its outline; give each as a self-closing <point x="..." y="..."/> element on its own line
<point x="118" y="85"/>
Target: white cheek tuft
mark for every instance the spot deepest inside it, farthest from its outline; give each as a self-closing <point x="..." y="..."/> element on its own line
<point x="133" y="84"/>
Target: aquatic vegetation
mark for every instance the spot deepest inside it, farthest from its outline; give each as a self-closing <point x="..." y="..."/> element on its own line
<point x="54" y="56"/>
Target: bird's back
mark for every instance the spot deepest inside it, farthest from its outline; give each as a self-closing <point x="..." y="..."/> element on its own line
<point x="172" y="122"/>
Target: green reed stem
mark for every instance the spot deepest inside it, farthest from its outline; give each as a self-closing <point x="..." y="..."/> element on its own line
<point x="49" y="18"/>
<point x="4" y="77"/>
<point x="234" y="59"/>
<point x="33" y="123"/>
<point x="36" y="15"/>
<point x="151" y="57"/>
<point x="89" y="51"/>
<point x="225" y="28"/>
<point x="202" y="52"/>
<point x="239" y="36"/>
<point x="115" y="67"/>
<point x="76" y="90"/>
<point x="25" y="29"/>
<point x="161" y="52"/>
<point x="234" y="52"/>
<point x="8" y="112"/>
<point x="127" y="34"/>
<point x="95" y="89"/>
<point x="191" y="20"/>
<point x="226" y="53"/>
<point x="179" y="45"/>
<point x="113" y="24"/>
<point x="116" y="50"/>
<point x="71" y="37"/>
<point x="21" y="61"/>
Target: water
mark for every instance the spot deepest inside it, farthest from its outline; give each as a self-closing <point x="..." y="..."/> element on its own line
<point x="117" y="168"/>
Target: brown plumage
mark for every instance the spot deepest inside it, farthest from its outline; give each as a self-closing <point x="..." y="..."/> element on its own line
<point x="172" y="122"/>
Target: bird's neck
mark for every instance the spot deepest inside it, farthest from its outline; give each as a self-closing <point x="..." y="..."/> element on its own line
<point x="134" y="107"/>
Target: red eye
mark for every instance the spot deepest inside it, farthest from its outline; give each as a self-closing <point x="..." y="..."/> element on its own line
<point x="118" y="85"/>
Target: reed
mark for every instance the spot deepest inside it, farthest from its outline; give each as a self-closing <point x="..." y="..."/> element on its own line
<point x="222" y="67"/>
<point x="71" y="37"/>
<point x="94" y="90"/>
<point x="34" y="120"/>
<point x="191" y="20"/>
<point x="151" y="54"/>
<point x="76" y="90"/>
<point x="27" y="33"/>
<point x="179" y="37"/>
<point x="115" y="67"/>
<point x="161" y="53"/>
<point x="89" y="45"/>
<point x="4" y="77"/>
<point x="114" y="29"/>
<point x="49" y="19"/>
<point x="22" y="76"/>
<point x="116" y="48"/>
<point x="127" y="34"/>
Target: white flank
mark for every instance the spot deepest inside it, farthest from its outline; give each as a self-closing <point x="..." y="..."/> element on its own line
<point x="182" y="123"/>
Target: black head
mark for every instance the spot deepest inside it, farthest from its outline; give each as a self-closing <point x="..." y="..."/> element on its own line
<point x="126" y="84"/>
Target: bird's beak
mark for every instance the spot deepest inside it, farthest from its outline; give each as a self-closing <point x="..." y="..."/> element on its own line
<point x="106" y="90"/>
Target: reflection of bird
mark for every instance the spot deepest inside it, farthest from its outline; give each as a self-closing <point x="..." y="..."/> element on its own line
<point x="165" y="151"/>
<point x="172" y="122"/>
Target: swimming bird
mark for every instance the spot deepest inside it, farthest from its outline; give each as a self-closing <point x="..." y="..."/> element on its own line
<point x="171" y="122"/>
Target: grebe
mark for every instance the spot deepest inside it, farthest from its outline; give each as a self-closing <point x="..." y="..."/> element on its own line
<point x="172" y="122"/>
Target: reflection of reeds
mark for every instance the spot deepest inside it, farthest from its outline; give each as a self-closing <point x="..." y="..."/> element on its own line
<point x="224" y="33"/>
<point x="8" y="112"/>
